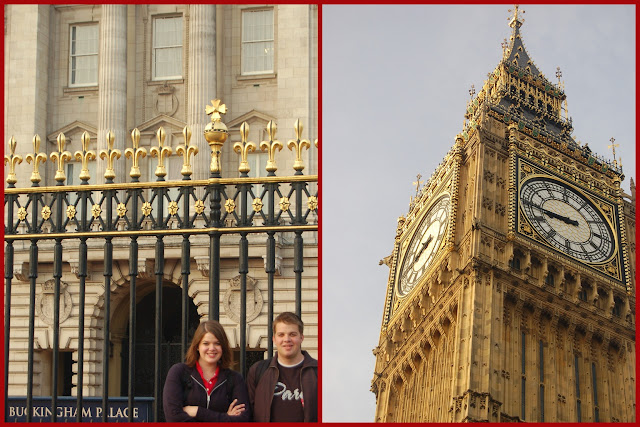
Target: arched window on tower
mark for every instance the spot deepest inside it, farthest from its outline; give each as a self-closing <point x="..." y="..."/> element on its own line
<point x="516" y="260"/>
<point x="550" y="279"/>
<point x="618" y="305"/>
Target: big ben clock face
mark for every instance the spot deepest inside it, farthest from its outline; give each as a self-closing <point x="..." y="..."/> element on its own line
<point x="566" y="219"/>
<point x="424" y="245"/>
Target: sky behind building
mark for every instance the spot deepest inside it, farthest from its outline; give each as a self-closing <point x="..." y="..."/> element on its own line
<point x="396" y="83"/>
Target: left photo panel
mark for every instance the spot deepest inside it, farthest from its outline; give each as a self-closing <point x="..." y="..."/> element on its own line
<point x="161" y="213"/>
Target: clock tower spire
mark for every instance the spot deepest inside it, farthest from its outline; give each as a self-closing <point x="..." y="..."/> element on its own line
<point x="511" y="290"/>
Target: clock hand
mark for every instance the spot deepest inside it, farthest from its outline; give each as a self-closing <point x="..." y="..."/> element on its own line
<point x="424" y="246"/>
<point x="560" y="217"/>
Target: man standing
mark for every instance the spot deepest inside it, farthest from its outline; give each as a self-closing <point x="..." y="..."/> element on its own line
<point x="285" y="387"/>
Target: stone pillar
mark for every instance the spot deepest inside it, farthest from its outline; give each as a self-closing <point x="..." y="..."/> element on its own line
<point x="201" y="79"/>
<point x="112" y="85"/>
<point x="26" y="88"/>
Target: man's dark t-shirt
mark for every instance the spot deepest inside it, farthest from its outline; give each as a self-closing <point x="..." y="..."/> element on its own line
<point x="288" y="400"/>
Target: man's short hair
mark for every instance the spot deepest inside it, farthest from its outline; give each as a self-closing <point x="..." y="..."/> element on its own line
<point x="288" y="318"/>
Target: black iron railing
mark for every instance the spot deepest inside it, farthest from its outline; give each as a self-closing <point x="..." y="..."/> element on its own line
<point x="128" y="211"/>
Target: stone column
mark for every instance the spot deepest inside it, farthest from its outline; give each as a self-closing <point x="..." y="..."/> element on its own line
<point x="26" y="90"/>
<point x="201" y="78"/>
<point x="112" y="85"/>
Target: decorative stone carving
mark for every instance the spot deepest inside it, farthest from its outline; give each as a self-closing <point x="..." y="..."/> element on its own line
<point x="20" y="270"/>
<point x="232" y="299"/>
<point x="75" y="268"/>
<point x="44" y="302"/>
<point x="166" y="100"/>
<point x="202" y="263"/>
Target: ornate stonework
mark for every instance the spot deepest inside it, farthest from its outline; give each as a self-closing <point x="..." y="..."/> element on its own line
<point x="45" y="301"/>
<point x="232" y="299"/>
<point x="508" y="325"/>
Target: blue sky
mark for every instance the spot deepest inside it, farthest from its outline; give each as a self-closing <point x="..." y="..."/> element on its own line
<point x="395" y="87"/>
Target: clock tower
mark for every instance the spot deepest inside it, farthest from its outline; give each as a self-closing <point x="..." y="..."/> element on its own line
<point x="511" y="292"/>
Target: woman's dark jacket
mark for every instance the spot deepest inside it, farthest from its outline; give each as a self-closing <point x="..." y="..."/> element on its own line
<point x="185" y="387"/>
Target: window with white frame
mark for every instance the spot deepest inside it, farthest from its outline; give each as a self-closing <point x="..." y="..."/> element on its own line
<point x="166" y="55"/>
<point x="83" y="55"/>
<point x="257" y="41"/>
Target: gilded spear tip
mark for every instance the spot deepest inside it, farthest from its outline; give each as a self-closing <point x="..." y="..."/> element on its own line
<point x="187" y="135"/>
<point x="36" y="144"/>
<point x="244" y="131"/>
<point x="61" y="142"/>
<point x="85" y="141"/>
<point x="271" y="130"/>
<point x="12" y="145"/>
<point x="135" y="138"/>
<point x="161" y="135"/>
<point x="110" y="139"/>
<point x="298" y="128"/>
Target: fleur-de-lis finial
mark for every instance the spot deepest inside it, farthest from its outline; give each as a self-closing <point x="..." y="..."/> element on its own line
<point x="36" y="158"/>
<point x="243" y="148"/>
<point x="160" y="152"/>
<point x="186" y="150"/>
<point x="271" y="146"/>
<point x="12" y="159"/>
<point x="111" y="155"/>
<point x="135" y="153"/>
<point x="215" y="110"/>
<point x="60" y="157"/>
<point x="84" y="156"/>
<point x="298" y="145"/>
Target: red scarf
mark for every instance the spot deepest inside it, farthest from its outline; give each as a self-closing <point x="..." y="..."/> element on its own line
<point x="209" y="384"/>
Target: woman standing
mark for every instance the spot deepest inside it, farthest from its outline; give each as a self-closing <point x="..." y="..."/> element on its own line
<point x="204" y="388"/>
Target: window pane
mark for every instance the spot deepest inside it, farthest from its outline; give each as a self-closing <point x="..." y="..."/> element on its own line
<point x="257" y="41"/>
<point x="83" y="59"/>
<point x="167" y="47"/>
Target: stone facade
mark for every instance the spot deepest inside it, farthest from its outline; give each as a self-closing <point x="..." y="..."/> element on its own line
<point x="502" y="327"/>
<point x="39" y="99"/>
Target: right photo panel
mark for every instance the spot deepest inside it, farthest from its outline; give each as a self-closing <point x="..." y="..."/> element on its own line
<point x="478" y="232"/>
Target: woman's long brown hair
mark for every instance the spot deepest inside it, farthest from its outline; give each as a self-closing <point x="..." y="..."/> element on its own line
<point x="226" y="360"/>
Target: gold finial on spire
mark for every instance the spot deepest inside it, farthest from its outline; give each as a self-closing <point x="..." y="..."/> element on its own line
<point x="298" y="145"/>
<point x="271" y="146"/>
<point x="558" y="74"/>
<point x="472" y="91"/>
<point x="561" y="86"/>
<point x="60" y="157"/>
<point x="36" y="158"/>
<point x="111" y="155"/>
<point x="186" y="150"/>
<point x="12" y="159"/>
<point x="160" y="152"/>
<point x="243" y="148"/>
<point x="613" y="148"/>
<point x="135" y="153"/>
<point x="84" y="156"/>
<point x="215" y="110"/>
<point x="516" y="15"/>
<point x="417" y="183"/>
<point x="505" y="46"/>
<point x="216" y="134"/>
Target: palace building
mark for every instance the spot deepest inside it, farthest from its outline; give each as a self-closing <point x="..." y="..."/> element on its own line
<point x="511" y="292"/>
<point x="85" y="79"/>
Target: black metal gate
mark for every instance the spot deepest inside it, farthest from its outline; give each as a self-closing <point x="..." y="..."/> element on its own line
<point x="134" y="210"/>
